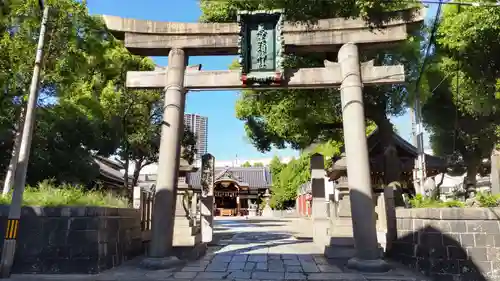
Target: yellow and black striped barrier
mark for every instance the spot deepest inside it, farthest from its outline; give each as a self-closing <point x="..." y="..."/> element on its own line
<point x="11" y="230"/>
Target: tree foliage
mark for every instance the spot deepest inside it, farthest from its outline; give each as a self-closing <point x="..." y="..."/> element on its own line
<point x="84" y="108"/>
<point x="302" y="10"/>
<point x="287" y="178"/>
<point x="74" y="49"/>
<point x="297" y="118"/>
<point x="256" y="164"/>
<point x="462" y="106"/>
<point x="468" y="37"/>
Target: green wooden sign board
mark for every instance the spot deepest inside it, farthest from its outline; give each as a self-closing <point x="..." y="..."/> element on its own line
<point x="261" y="47"/>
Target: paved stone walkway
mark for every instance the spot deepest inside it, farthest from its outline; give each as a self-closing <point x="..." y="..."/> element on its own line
<point x="249" y="250"/>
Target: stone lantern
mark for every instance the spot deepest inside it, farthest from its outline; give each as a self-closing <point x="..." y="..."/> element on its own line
<point x="267" y="211"/>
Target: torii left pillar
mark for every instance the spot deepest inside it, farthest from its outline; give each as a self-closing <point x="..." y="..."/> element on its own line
<point x="162" y="229"/>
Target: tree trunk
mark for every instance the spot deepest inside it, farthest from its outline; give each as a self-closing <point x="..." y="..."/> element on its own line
<point x="470" y="180"/>
<point x="392" y="165"/>
<point x="137" y="170"/>
<point x="128" y="193"/>
<point x="436" y="193"/>
<point x="11" y="170"/>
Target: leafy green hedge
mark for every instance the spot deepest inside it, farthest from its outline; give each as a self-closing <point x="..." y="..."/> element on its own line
<point x="484" y="200"/>
<point x="47" y="194"/>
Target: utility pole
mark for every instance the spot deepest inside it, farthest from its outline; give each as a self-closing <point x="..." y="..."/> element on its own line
<point x="419" y="166"/>
<point x="9" y="246"/>
<point x="11" y="170"/>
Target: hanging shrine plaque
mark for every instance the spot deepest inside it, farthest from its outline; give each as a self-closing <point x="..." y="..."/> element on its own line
<point x="261" y="47"/>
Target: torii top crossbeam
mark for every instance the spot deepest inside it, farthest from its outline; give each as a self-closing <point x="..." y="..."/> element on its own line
<point x="155" y="38"/>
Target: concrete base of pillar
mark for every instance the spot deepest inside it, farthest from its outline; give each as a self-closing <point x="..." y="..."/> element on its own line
<point x="340" y="252"/>
<point x="206" y="231"/>
<point x="378" y="265"/>
<point x="191" y="253"/>
<point x="185" y="235"/>
<point x="161" y="263"/>
<point x="321" y="232"/>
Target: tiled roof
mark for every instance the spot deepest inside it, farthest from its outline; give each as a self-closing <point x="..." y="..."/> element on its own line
<point x="432" y="162"/>
<point x="255" y="177"/>
<point x="110" y="172"/>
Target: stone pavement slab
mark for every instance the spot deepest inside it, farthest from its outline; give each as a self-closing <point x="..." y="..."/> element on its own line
<point x="257" y="250"/>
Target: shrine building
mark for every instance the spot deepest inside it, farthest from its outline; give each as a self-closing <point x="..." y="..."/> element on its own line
<point x="407" y="153"/>
<point x="236" y="189"/>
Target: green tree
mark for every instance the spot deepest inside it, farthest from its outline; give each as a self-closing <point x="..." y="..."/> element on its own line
<point x="297" y="118"/>
<point x="258" y="164"/>
<point x="288" y="178"/>
<point x="303" y="10"/>
<point x="468" y="39"/>
<point x="246" y="164"/>
<point x="452" y="130"/>
<point x="84" y="108"/>
<point x="74" y="44"/>
<point x="462" y="108"/>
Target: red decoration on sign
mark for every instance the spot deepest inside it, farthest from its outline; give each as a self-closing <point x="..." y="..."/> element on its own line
<point x="277" y="78"/>
<point x="244" y="79"/>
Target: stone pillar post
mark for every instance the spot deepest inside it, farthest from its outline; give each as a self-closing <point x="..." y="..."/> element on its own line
<point x="320" y="220"/>
<point x="194" y="202"/>
<point x="137" y="197"/>
<point x="238" y="205"/>
<point x="168" y="165"/>
<point x="207" y="197"/>
<point x="495" y="172"/>
<point x="358" y="170"/>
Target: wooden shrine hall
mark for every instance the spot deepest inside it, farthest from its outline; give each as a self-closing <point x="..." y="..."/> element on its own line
<point x="407" y="154"/>
<point x="236" y="189"/>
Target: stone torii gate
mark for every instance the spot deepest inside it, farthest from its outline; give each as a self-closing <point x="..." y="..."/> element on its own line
<point x="261" y="38"/>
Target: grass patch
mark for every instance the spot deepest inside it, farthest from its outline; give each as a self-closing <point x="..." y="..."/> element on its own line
<point x="420" y="201"/>
<point x="47" y="194"/>
<point x="482" y="200"/>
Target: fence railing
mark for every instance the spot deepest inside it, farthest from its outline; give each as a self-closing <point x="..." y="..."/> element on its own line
<point x="143" y="200"/>
<point x="146" y="208"/>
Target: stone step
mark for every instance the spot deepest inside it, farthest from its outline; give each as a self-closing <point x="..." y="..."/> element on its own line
<point x="344" y="241"/>
<point x="343" y="230"/>
<point x="186" y="240"/>
<point x="342" y="222"/>
<point x="182" y="222"/>
<point x="336" y="252"/>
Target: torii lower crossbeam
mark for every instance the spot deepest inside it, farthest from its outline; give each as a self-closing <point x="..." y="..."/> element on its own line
<point x="323" y="77"/>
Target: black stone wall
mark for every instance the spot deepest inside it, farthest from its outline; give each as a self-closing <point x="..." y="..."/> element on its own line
<point x="74" y="239"/>
<point x="450" y="243"/>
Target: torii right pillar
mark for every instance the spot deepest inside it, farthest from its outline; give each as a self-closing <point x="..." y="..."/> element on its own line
<point x="368" y="254"/>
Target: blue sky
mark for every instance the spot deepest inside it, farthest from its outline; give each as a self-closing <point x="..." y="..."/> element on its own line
<point x="226" y="135"/>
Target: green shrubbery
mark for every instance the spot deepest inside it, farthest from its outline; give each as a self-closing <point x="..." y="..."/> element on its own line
<point x="47" y="194"/>
<point x="488" y="200"/>
<point x="420" y="201"/>
<point x="483" y="200"/>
